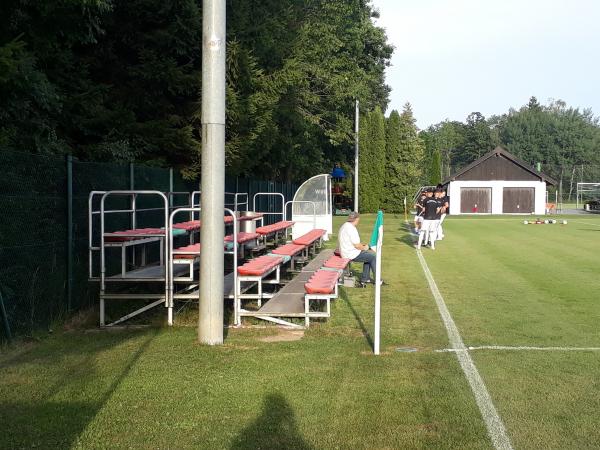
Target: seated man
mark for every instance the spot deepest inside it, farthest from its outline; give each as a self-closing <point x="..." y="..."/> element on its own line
<point x="351" y="248"/>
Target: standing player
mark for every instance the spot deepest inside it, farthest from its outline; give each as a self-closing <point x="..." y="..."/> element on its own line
<point x="428" y="231"/>
<point x="446" y="205"/>
<point x="420" y="210"/>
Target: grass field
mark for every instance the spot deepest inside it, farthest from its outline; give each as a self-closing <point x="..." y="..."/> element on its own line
<point x="505" y="284"/>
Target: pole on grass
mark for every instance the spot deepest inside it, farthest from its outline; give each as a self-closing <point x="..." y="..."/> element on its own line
<point x="378" y="292"/>
<point x="210" y="321"/>
<point x="356" y="120"/>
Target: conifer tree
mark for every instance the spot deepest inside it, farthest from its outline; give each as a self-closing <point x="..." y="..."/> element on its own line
<point x="435" y="174"/>
<point x="372" y="161"/>
<point x="405" y="153"/>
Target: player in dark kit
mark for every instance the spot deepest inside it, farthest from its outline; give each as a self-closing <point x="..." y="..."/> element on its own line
<point x="420" y="210"/>
<point x="428" y="228"/>
<point x="446" y="205"/>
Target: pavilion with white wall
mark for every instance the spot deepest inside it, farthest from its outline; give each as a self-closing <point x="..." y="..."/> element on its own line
<point x="498" y="183"/>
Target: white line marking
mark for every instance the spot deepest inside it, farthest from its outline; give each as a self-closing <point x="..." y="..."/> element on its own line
<point x="585" y="222"/>
<point x="522" y="348"/>
<point x="493" y="422"/>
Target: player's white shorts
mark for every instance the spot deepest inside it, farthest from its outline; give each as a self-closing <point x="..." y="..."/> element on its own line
<point x="429" y="225"/>
<point x="419" y="219"/>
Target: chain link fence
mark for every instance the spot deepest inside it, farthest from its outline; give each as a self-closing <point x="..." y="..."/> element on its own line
<point x="44" y="229"/>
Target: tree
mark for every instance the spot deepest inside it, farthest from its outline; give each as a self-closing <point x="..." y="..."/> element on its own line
<point x="372" y="159"/>
<point x="477" y="140"/>
<point x="405" y="153"/>
<point x="108" y="80"/>
<point x="435" y="172"/>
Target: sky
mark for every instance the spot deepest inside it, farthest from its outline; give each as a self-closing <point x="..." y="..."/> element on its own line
<point x="454" y="57"/>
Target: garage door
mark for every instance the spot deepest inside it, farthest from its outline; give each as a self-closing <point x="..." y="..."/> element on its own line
<point x="518" y="200"/>
<point x="476" y="200"/>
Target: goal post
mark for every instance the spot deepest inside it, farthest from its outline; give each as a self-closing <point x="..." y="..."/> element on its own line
<point x="586" y="192"/>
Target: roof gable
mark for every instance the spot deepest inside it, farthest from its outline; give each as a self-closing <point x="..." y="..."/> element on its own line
<point x="499" y="165"/>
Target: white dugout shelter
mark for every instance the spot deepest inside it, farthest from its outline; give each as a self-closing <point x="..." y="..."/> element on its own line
<point x="498" y="183"/>
<point x="312" y="206"/>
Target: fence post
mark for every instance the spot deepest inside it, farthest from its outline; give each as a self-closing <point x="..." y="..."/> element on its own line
<point x="131" y="176"/>
<point x="69" y="232"/>
<point x="171" y="186"/>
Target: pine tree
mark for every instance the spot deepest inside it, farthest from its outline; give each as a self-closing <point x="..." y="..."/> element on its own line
<point x="404" y="159"/>
<point x="372" y="161"/>
<point x="435" y="174"/>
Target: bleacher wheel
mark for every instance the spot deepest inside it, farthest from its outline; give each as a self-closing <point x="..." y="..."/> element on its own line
<point x="546" y="222"/>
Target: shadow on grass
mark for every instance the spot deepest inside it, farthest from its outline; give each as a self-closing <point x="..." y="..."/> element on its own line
<point x="361" y="324"/>
<point x="54" y="415"/>
<point x="275" y="428"/>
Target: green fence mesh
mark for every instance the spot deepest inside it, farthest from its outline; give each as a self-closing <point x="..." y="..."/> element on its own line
<point x="44" y="242"/>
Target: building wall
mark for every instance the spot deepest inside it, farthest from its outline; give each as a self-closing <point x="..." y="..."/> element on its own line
<point x="497" y="193"/>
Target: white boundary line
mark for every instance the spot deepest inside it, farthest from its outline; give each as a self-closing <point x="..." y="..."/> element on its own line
<point x="521" y="348"/>
<point x="587" y="222"/>
<point x="493" y="422"/>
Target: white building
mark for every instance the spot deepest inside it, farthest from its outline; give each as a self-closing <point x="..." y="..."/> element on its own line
<point x="498" y="183"/>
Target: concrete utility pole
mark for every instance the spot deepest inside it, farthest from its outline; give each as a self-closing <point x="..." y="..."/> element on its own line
<point x="356" y="118"/>
<point x="210" y="322"/>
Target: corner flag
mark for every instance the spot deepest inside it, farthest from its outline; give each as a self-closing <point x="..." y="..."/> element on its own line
<point x="375" y="233"/>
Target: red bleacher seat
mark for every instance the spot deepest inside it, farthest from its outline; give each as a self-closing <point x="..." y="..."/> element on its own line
<point x="130" y="235"/>
<point x="289" y="249"/>
<point x="310" y="237"/>
<point x="190" y="225"/>
<point x="251" y="217"/>
<point x="195" y="248"/>
<point x="274" y="228"/>
<point x="322" y="282"/>
<point x="242" y="237"/>
<point x="336" y="262"/>
<point x="260" y="265"/>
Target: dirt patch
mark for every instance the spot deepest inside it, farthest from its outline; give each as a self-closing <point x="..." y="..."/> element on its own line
<point x="284" y="335"/>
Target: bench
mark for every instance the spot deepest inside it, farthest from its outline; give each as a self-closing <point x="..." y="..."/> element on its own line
<point x="274" y="229"/>
<point x="134" y="237"/>
<point x="243" y="238"/>
<point x="312" y="240"/>
<point x="288" y="302"/>
<point x="290" y="250"/>
<point x="256" y="270"/>
<point x="190" y="225"/>
<point x="322" y="285"/>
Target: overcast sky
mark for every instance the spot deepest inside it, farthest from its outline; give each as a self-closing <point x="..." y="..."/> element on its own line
<point x="453" y="57"/>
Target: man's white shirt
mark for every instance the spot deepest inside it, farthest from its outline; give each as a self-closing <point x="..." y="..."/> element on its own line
<point x="347" y="237"/>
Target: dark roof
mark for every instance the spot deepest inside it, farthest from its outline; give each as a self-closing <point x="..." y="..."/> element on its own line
<point x="500" y="151"/>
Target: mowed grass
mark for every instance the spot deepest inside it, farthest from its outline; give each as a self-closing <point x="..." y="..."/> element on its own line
<point x="156" y="388"/>
<point x="505" y="284"/>
<point x="511" y="284"/>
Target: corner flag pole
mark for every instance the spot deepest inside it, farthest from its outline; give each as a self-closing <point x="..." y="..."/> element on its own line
<point x="210" y="320"/>
<point x="356" y="119"/>
<point x="378" y="291"/>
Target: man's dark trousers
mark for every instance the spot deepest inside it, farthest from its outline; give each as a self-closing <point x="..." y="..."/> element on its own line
<point x="368" y="258"/>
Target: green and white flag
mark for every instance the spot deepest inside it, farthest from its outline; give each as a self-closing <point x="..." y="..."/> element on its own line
<point x="375" y="233"/>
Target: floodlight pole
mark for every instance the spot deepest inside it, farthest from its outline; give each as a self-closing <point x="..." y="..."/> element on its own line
<point x="210" y="321"/>
<point x="356" y="120"/>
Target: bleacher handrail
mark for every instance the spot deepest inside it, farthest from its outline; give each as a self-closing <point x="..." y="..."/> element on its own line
<point x="169" y="283"/>
<point x="291" y="202"/>
<point x="272" y="194"/>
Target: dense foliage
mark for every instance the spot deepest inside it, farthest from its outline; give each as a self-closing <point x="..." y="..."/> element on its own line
<point x="564" y="140"/>
<point x="404" y="165"/>
<point x="120" y="80"/>
<point x="372" y="161"/>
